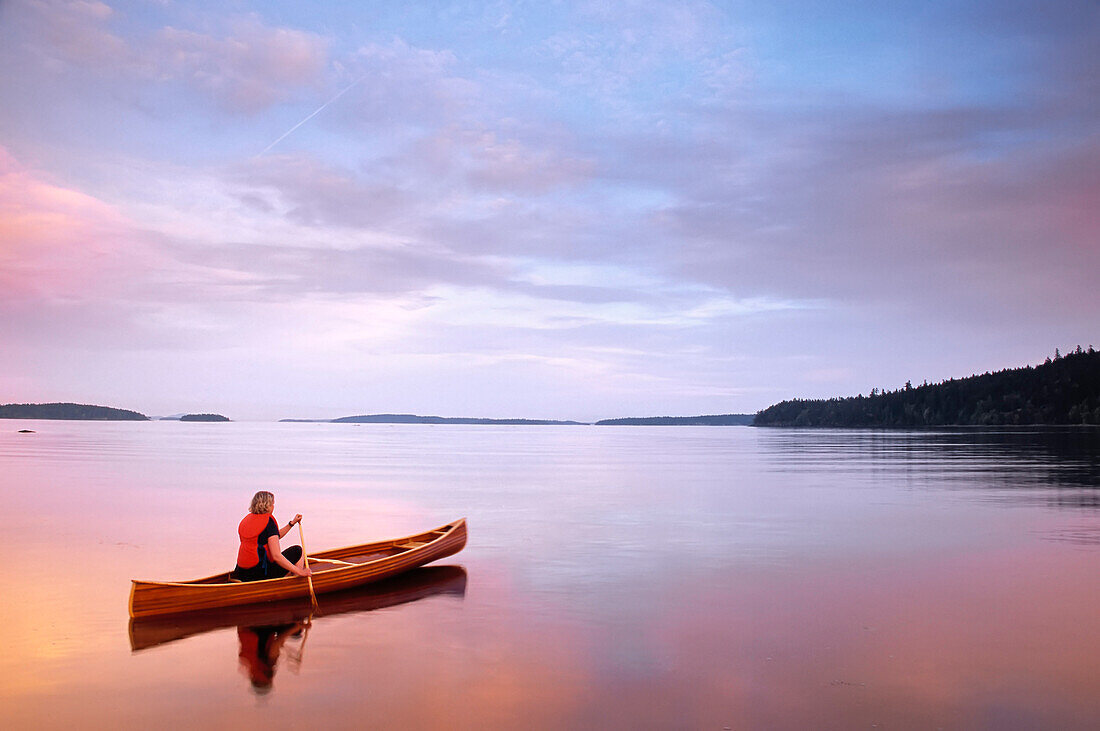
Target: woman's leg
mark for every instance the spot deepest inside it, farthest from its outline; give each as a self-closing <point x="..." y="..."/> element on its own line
<point x="292" y="554"/>
<point x="256" y="573"/>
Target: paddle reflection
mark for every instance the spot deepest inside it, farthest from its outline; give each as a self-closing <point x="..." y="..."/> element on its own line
<point x="265" y="631"/>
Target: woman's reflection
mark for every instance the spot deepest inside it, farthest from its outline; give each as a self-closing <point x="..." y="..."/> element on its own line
<point x="260" y="648"/>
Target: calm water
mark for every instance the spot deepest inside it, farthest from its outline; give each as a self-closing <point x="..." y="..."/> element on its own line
<point x="624" y="577"/>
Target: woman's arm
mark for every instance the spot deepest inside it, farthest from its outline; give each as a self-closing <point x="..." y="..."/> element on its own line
<point x="286" y="529"/>
<point x="277" y="556"/>
<point x="275" y="644"/>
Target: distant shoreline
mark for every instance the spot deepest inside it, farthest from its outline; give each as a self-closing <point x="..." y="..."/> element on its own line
<point x="708" y="420"/>
<point x="415" y="419"/>
<point x="1063" y="391"/>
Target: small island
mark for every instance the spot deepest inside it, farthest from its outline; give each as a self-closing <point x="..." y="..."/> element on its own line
<point x="1063" y="391"/>
<point x="204" y="417"/>
<point x="709" y="420"/>
<point x="79" y="412"/>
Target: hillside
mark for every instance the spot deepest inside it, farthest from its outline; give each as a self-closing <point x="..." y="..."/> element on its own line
<point x="710" y="420"/>
<point x="413" y="419"/>
<point x="1063" y="390"/>
<point x="68" y="411"/>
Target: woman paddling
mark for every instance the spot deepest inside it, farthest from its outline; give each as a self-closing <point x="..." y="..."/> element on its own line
<point x="259" y="556"/>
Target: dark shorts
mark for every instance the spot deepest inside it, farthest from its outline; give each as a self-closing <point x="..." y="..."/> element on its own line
<point x="274" y="570"/>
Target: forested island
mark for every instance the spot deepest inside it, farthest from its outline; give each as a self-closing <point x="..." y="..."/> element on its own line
<point x="413" y="419"/>
<point x="710" y="420"/>
<point x="204" y="417"/>
<point x="85" y="412"/>
<point x="1065" y="390"/>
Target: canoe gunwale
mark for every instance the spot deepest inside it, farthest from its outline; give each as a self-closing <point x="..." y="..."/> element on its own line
<point x="444" y="541"/>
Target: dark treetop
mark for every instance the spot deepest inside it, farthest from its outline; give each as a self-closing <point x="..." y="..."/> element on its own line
<point x="68" y="411"/>
<point x="203" y="417"/>
<point x="412" y="419"/>
<point x="1063" y="390"/>
<point x="714" y="420"/>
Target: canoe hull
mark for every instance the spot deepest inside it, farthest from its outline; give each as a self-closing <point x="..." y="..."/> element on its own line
<point x="150" y="598"/>
<point x="411" y="586"/>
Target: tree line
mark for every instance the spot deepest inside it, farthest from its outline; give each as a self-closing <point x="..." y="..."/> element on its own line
<point x="1063" y="390"/>
<point x="707" y="420"/>
<point x="68" y="411"/>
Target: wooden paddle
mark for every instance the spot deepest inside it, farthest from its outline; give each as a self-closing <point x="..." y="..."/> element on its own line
<point x="302" y="539"/>
<point x="335" y="561"/>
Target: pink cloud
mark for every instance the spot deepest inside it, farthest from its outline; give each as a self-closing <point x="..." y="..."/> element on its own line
<point x="72" y="32"/>
<point x="54" y="241"/>
<point x="255" y="67"/>
<point x="249" y="67"/>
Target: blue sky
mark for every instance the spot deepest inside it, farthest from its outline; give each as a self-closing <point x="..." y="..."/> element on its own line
<point x="559" y="210"/>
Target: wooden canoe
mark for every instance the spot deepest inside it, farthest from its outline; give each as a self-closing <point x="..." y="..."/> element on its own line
<point x="333" y="570"/>
<point x="411" y="586"/>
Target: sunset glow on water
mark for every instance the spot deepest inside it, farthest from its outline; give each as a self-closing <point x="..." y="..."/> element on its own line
<point x="614" y="576"/>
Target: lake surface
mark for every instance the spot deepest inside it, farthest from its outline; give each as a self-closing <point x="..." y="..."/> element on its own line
<point x="615" y="577"/>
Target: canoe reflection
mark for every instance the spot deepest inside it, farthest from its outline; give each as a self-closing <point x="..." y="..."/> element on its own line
<point x="273" y="623"/>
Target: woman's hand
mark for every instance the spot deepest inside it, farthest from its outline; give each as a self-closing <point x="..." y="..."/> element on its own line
<point x="296" y="519"/>
<point x="307" y="571"/>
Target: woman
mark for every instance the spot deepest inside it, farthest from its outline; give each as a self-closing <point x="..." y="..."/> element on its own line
<point x="259" y="556"/>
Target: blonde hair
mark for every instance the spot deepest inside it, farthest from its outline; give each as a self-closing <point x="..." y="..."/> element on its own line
<point x="262" y="502"/>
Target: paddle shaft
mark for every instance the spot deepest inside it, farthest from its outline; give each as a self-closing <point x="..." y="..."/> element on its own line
<point x="305" y="562"/>
<point x="333" y="560"/>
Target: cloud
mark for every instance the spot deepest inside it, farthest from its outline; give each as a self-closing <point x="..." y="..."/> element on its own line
<point x="901" y="201"/>
<point x="896" y="207"/>
<point x="70" y="33"/>
<point x="55" y="242"/>
<point x="246" y="67"/>
<point x="483" y="160"/>
<point x="284" y="272"/>
<point x="311" y="193"/>
<point x="459" y="192"/>
<point x="251" y="68"/>
<point x="76" y="274"/>
<point x="509" y="165"/>
<point x="404" y="85"/>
